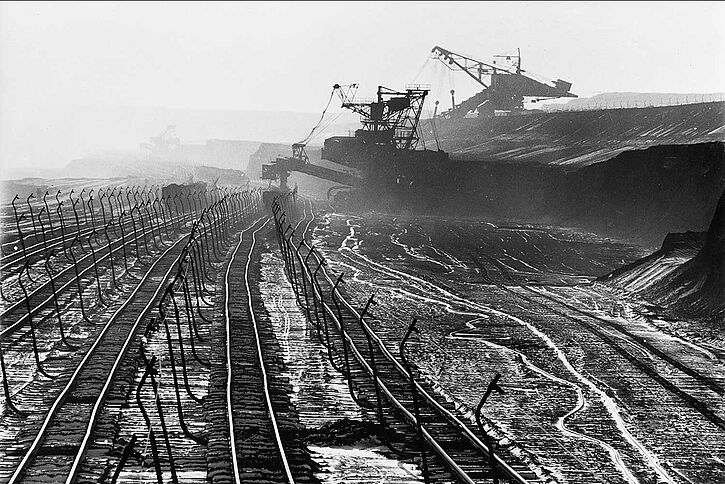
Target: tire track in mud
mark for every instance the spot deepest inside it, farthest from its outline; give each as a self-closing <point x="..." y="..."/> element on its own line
<point x="581" y="403"/>
<point x="321" y="394"/>
<point x="426" y="287"/>
<point x="612" y="331"/>
<point x="712" y="384"/>
<point x="709" y="382"/>
<point x="449" y="308"/>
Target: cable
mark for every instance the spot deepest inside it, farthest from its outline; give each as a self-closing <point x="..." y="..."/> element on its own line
<point x="321" y="129"/>
<point x="419" y="132"/>
<point x="427" y="60"/>
<point x="434" y="128"/>
<point x="309" y="136"/>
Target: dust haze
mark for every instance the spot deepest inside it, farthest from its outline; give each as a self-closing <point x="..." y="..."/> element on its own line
<point x="82" y="78"/>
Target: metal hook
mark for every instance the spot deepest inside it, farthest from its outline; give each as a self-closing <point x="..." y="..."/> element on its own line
<point x="414" y="393"/>
<point x="492" y="386"/>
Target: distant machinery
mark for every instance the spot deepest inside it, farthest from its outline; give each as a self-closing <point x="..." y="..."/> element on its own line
<point x="505" y="84"/>
<point x="164" y="142"/>
<point x="389" y="134"/>
<point x="389" y="137"/>
<point x="392" y="118"/>
<point x="280" y="169"/>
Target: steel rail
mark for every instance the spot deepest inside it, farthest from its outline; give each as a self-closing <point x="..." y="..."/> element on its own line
<point x="14" y="326"/>
<point x="85" y="229"/>
<point x="114" y="368"/>
<point x="38" y="247"/>
<point x="470" y="436"/>
<point x="391" y="398"/>
<point x="59" y="400"/>
<point x="227" y="322"/>
<point x="270" y="409"/>
<point x="465" y="430"/>
<point x="262" y="366"/>
<point x="42" y="249"/>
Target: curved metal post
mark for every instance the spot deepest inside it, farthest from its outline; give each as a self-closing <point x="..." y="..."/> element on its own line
<point x="42" y="229"/>
<point x="100" y="200"/>
<point x="151" y="224"/>
<point x="340" y="319"/>
<point x="172" y="222"/>
<point x="414" y="394"/>
<point x="197" y="280"/>
<point x="59" y="211"/>
<point x="493" y="386"/>
<point x="293" y="266"/>
<point x="83" y="205"/>
<point x="166" y="221"/>
<point x="75" y="214"/>
<point x="51" y="277"/>
<point x="306" y="306"/>
<point x="162" y="317"/>
<point x="78" y="280"/>
<point x="110" y="252"/>
<point x="33" y="337"/>
<point x="95" y="267"/>
<point x="143" y="231"/>
<point x="20" y="232"/>
<point x="93" y="219"/>
<point x="157" y="220"/>
<point x="328" y="344"/>
<point x="30" y="207"/>
<point x="110" y="207"/>
<point x="373" y="365"/>
<point x="182" y="354"/>
<point x="123" y="240"/>
<point x="191" y="320"/>
<point x="150" y="371"/>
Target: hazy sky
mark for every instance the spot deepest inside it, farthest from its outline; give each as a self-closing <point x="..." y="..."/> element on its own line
<point x="286" y="56"/>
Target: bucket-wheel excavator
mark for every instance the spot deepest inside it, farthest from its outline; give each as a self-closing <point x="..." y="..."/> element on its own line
<point x="386" y="142"/>
<point x="505" y="83"/>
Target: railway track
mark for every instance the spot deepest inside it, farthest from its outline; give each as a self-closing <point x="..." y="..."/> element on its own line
<point x="54" y="425"/>
<point x="169" y="379"/>
<point x="78" y="275"/>
<point x="453" y="447"/>
<point x="57" y="226"/>
<point x="690" y="392"/>
<point x="55" y="303"/>
<point x="151" y="216"/>
<point x="124" y="236"/>
<point x="36" y="246"/>
<point x="695" y="389"/>
<point x="51" y="447"/>
<point x="15" y="315"/>
<point x="256" y="432"/>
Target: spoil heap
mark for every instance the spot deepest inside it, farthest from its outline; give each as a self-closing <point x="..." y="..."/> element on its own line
<point x="686" y="275"/>
<point x="698" y="285"/>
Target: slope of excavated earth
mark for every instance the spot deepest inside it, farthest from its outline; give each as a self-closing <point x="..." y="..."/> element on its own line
<point x="595" y="392"/>
<point x="579" y="138"/>
<point x="699" y="285"/>
<point x="639" y="196"/>
<point x="642" y="274"/>
<point x="685" y="278"/>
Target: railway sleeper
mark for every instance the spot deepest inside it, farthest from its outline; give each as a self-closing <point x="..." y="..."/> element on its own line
<point x="395" y="379"/>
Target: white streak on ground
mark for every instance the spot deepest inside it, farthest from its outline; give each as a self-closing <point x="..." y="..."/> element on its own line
<point x="608" y="402"/>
